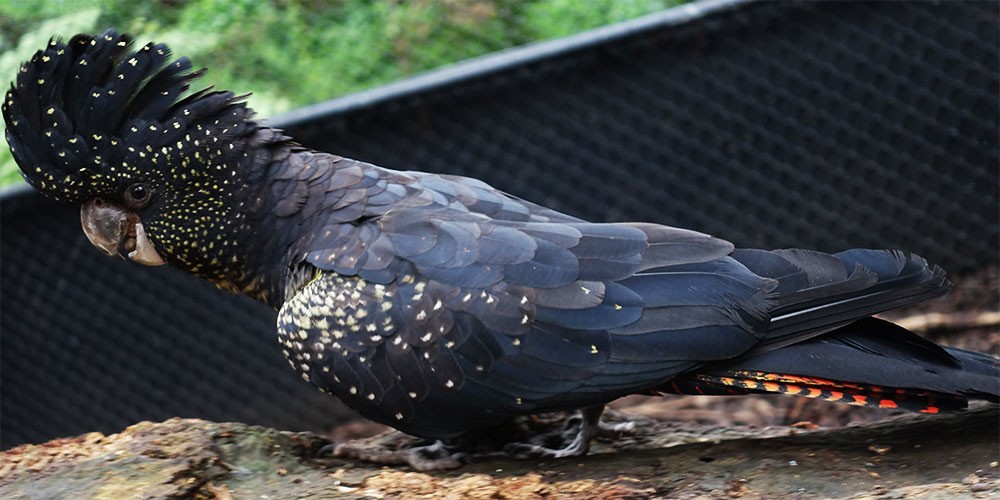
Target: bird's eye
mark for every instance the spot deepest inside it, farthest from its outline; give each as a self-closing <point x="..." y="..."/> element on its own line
<point x="138" y="194"/>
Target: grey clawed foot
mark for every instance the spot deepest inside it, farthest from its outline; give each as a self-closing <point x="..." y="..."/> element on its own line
<point x="614" y="432"/>
<point x="573" y="439"/>
<point x="526" y="450"/>
<point x="578" y="436"/>
<point x="435" y="456"/>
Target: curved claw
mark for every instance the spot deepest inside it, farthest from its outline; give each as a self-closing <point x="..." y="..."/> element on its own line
<point x="579" y="431"/>
<point x="436" y="456"/>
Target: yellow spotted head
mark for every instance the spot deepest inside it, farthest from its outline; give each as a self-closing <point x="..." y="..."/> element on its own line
<point x="92" y="118"/>
<point x="157" y="168"/>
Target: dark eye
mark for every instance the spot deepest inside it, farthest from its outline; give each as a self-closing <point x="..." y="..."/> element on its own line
<point x="138" y="194"/>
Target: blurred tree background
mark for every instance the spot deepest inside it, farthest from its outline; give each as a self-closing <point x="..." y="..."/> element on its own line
<point x="290" y="53"/>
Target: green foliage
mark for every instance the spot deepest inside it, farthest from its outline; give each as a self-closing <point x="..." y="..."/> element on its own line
<point x="556" y="18"/>
<point x="295" y="52"/>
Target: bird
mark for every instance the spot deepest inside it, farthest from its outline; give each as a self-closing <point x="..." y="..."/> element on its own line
<point x="439" y="305"/>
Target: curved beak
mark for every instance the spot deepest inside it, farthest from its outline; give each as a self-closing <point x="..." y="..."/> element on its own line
<point x="105" y="225"/>
<point x="113" y="229"/>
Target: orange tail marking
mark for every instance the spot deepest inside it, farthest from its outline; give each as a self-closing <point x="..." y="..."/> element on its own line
<point x="831" y="390"/>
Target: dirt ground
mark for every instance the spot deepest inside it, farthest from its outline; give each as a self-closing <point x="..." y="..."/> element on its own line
<point x="914" y="456"/>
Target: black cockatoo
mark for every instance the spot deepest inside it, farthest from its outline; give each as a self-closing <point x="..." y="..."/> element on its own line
<point x="439" y="305"/>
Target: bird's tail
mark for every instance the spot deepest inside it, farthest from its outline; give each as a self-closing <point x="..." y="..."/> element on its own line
<point x="818" y="292"/>
<point x="870" y="362"/>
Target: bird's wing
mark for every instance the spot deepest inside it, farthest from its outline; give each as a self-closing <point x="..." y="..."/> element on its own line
<point x="381" y="224"/>
<point x="516" y="308"/>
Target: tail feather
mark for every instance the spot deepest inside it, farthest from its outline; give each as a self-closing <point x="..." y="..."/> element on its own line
<point x="818" y="292"/>
<point x="872" y="396"/>
<point x="870" y="362"/>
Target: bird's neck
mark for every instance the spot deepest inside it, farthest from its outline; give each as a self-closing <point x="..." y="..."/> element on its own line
<point x="253" y="257"/>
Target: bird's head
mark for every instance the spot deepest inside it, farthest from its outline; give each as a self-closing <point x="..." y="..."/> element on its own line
<point x="97" y="123"/>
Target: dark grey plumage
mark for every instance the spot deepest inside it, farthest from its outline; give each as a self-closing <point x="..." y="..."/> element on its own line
<point x="439" y="305"/>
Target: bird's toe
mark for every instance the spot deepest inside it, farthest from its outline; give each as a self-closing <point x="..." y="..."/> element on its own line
<point x="434" y="456"/>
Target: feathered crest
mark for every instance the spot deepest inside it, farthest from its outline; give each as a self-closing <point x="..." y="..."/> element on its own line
<point x="80" y="109"/>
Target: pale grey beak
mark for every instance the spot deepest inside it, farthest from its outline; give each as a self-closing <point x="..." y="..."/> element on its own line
<point x="112" y="229"/>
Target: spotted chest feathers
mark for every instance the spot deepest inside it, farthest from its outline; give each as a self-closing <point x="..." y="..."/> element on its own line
<point x="383" y="349"/>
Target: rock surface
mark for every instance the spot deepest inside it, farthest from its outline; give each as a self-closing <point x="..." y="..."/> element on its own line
<point x="910" y="456"/>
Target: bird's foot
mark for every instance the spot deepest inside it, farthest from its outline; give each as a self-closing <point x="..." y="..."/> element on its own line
<point x="396" y="448"/>
<point x="541" y="438"/>
<point x="614" y="432"/>
<point x="579" y="431"/>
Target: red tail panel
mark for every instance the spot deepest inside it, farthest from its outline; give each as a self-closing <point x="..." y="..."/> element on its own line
<point x="744" y="382"/>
